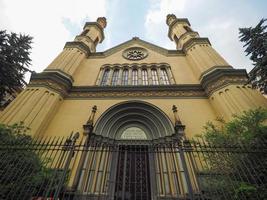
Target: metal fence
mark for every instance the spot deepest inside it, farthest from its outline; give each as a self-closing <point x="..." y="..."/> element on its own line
<point x="61" y="168"/>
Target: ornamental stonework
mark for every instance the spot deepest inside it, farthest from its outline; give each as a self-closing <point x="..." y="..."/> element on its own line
<point x="59" y="88"/>
<point x="135" y="53"/>
<point x="221" y="82"/>
<point x="116" y="94"/>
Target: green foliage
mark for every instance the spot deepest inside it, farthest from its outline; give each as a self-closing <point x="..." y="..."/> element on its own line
<point x="255" y="39"/>
<point x="238" y="158"/>
<point x="14" y="61"/>
<point x="246" y="128"/>
<point x="24" y="171"/>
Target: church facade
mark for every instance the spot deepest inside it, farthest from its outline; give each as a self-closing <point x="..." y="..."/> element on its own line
<point x="139" y="93"/>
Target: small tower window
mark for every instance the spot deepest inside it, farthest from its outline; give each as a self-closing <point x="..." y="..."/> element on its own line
<point x="105" y="77"/>
<point x="115" y="77"/>
<point x="188" y="29"/>
<point x="176" y="39"/>
<point x="96" y="41"/>
<point x="155" y="79"/>
<point x="124" y="80"/>
<point x="135" y="77"/>
<point x="144" y="77"/>
<point x="164" y="76"/>
<point x="84" y="32"/>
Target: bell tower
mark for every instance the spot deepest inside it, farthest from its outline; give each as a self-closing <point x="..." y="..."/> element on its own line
<point x="76" y="51"/>
<point x="225" y="86"/>
<point x="199" y="52"/>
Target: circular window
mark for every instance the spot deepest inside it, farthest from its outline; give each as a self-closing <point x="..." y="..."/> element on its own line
<point x="135" y="53"/>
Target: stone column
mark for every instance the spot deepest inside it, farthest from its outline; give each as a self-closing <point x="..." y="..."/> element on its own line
<point x="130" y="70"/>
<point x="98" y="81"/>
<point x="170" y="76"/>
<point x="110" y="76"/>
<point x="159" y="76"/>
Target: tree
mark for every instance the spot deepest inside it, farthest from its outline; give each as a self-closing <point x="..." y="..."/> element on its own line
<point x="255" y="40"/>
<point x="14" y="61"/>
<point x="26" y="165"/>
<point x="242" y="173"/>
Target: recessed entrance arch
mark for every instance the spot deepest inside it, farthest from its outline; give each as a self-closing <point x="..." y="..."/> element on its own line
<point x="122" y="152"/>
<point x="142" y="115"/>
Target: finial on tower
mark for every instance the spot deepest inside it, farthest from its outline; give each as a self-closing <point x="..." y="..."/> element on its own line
<point x="170" y="18"/>
<point x="102" y="21"/>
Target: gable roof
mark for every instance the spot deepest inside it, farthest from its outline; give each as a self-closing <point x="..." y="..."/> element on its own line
<point x="136" y="40"/>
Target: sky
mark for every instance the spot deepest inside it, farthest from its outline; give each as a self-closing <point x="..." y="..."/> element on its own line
<point x="54" y="22"/>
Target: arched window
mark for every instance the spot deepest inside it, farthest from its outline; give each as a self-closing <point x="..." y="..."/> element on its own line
<point x="124" y="80"/>
<point x="164" y="76"/>
<point x="155" y="79"/>
<point x="134" y="77"/>
<point x="115" y="77"/>
<point x="105" y="77"/>
<point x="144" y="77"/>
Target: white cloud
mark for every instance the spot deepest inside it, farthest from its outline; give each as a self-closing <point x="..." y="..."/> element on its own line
<point x="155" y="26"/>
<point x="206" y="18"/>
<point x="44" y="21"/>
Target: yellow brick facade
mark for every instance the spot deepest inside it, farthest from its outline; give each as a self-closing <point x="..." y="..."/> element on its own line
<point x="202" y="84"/>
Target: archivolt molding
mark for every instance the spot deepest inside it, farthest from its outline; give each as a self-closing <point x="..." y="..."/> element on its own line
<point x="141" y="114"/>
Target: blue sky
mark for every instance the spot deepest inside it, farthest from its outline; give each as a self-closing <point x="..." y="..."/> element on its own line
<point x="54" y="22"/>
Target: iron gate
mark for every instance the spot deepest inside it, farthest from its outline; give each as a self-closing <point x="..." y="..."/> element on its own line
<point x="165" y="169"/>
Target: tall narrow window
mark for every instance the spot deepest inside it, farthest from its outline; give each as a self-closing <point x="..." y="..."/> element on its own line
<point x="84" y="32"/>
<point x="115" y="76"/>
<point x="188" y="29"/>
<point x="134" y="77"/>
<point x="124" y="80"/>
<point x="164" y="76"/>
<point x="96" y="41"/>
<point x="155" y="79"/>
<point x="144" y="77"/>
<point x="176" y="39"/>
<point x="105" y="77"/>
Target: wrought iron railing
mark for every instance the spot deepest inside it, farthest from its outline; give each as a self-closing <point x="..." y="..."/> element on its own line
<point x="61" y="168"/>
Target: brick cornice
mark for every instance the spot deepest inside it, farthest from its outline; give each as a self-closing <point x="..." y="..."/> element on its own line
<point x="53" y="80"/>
<point x="80" y="45"/>
<point x="199" y="40"/>
<point x="219" y="78"/>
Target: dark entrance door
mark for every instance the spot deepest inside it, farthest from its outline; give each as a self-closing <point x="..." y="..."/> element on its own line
<point x="133" y="178"/>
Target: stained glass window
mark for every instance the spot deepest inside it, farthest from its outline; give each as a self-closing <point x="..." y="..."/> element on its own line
<point x="105" y="77"/>
<point x="115" y="76"/>
<point x="144" y="77"/>
<point x="124" y="80"/>
<point x="134" y="77"/>
<point x="164" y="76"/>
<point x="155" y="79"/>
